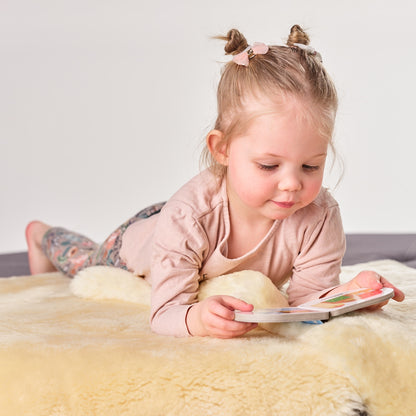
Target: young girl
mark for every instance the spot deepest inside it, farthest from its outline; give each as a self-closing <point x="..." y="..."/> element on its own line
<point x="259" y="206"/>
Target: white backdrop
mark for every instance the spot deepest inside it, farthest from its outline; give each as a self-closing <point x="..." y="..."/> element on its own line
<point x="104" y="103"/>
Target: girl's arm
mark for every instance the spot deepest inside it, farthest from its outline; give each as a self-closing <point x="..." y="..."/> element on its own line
<point x="180" y="247"/>
<point x="317" y="267"/>
<point x="320" y="261"/>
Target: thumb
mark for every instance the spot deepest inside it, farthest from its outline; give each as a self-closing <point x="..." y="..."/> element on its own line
<point x="234" y="303"/>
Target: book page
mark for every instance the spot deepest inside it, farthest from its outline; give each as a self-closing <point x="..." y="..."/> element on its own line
<point x="350" y="300"/>
<point x="319" y="309"/>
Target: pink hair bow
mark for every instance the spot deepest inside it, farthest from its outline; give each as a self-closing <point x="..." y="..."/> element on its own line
<point x="251" y="51"/>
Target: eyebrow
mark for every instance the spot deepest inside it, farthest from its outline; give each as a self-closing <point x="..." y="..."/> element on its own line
<point x="279" y="156"/>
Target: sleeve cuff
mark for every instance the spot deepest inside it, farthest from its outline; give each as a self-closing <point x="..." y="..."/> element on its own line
<point x="171" y="321"/>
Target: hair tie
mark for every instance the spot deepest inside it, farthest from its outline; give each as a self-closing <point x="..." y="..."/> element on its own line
<point x="250" y="52"/>
<point x="309" y="50"/>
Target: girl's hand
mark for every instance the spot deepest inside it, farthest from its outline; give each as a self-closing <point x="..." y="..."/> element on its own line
<point x="214" y="316"/>
<point x="371" y="280"/>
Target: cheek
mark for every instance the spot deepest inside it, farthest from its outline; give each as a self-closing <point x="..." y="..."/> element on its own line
<point x="248" y="185"/>
<point x="313" y="187"/>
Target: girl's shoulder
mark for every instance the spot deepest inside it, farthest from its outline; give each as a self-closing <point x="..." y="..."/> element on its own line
<point x="320" y="218"/>
<point x="324" y="200"/>
<point x="201" y="195"/>
<point x="324" y="206"/>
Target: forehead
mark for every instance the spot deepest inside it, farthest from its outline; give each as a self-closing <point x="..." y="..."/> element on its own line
<point x="300" y="109"/>
<point x="283" y="104"/>
<point x="288" y="132"/>
<point x="291" y="114"/>
<point x="286" y="136"/>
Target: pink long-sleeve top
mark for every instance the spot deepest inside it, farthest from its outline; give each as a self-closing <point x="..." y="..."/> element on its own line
<point x="187" y="242"/>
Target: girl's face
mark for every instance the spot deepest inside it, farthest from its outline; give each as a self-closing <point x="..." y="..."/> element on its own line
<point x="276" y="167"/>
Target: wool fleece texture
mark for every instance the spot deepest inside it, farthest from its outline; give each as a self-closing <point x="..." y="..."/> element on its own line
<point x="84" y="347"/>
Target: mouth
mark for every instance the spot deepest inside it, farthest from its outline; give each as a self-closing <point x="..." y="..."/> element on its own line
<point x="283" y="204"/>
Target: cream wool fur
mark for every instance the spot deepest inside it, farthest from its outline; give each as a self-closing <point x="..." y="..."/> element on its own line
<point x="100" y="282"/>
<point x="63" y="354"/>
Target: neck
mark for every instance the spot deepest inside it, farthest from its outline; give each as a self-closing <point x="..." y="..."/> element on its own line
<point x="247" y="228"/>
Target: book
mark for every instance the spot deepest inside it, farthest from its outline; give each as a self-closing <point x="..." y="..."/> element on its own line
<point x="319" y="309"/>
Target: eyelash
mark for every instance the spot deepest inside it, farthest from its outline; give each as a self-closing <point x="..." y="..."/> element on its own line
<point x="269" y="168"/>
<point x="310" y="168"/>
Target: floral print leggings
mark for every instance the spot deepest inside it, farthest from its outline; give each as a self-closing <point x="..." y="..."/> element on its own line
<point x="70" y="252"/>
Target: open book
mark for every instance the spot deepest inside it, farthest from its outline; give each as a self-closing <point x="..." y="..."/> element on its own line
<point x="319" y="309"/>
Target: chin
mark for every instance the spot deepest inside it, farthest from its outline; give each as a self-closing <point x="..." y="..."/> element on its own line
<point x="284" y="215"/>
<point x="278" y="215"/>
<point x="281" y="217"/>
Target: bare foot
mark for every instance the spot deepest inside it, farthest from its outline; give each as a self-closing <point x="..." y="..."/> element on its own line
<point x="38" y="262"/>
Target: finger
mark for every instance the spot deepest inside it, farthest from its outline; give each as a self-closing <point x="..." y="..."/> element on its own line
<point x="225" y="325"/>
<point x="398" y="294"/>
<point x="222" y="310"/>
<point x="235" y="303"/>
<point x="224" y="306"/>
<point x="216" y="320"/>
<point x="373" y="280"/>
<point x="223" y="328"/>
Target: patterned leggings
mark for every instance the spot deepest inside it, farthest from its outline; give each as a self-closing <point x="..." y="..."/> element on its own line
<point x="70" y="252"/>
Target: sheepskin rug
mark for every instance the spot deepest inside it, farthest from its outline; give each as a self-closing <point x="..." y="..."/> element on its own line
<point x="84" y="347"/>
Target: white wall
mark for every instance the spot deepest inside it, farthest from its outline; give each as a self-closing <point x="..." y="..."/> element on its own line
<point x="103" y="104"/>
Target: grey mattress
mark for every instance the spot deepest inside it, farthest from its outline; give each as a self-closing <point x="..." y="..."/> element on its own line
<point x="360" y="248"/>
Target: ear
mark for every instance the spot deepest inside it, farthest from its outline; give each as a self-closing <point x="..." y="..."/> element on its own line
<point x="217" y="146"/>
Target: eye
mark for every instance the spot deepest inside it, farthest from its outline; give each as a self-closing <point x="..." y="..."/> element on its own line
<point x="310" y="168"/>
<point x="267" y="167"/>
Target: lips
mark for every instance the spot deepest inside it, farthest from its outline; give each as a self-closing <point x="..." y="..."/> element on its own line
<point x="284" y="204"/>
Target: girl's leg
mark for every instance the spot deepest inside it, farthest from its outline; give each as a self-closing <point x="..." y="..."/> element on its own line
<point x="69" y="252"/>
<point x="108" y="253"/>
<point x="38" y="261"/>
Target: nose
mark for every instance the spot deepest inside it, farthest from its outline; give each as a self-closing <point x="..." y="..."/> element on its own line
<point x="290" y="182"/>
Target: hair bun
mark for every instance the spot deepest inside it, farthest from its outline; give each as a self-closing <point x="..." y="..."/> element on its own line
<point x="236" y="42"/>
<point x="297" y="35"/>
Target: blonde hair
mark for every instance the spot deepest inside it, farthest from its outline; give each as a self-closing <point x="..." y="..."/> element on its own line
<point x="284" y="71"/>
